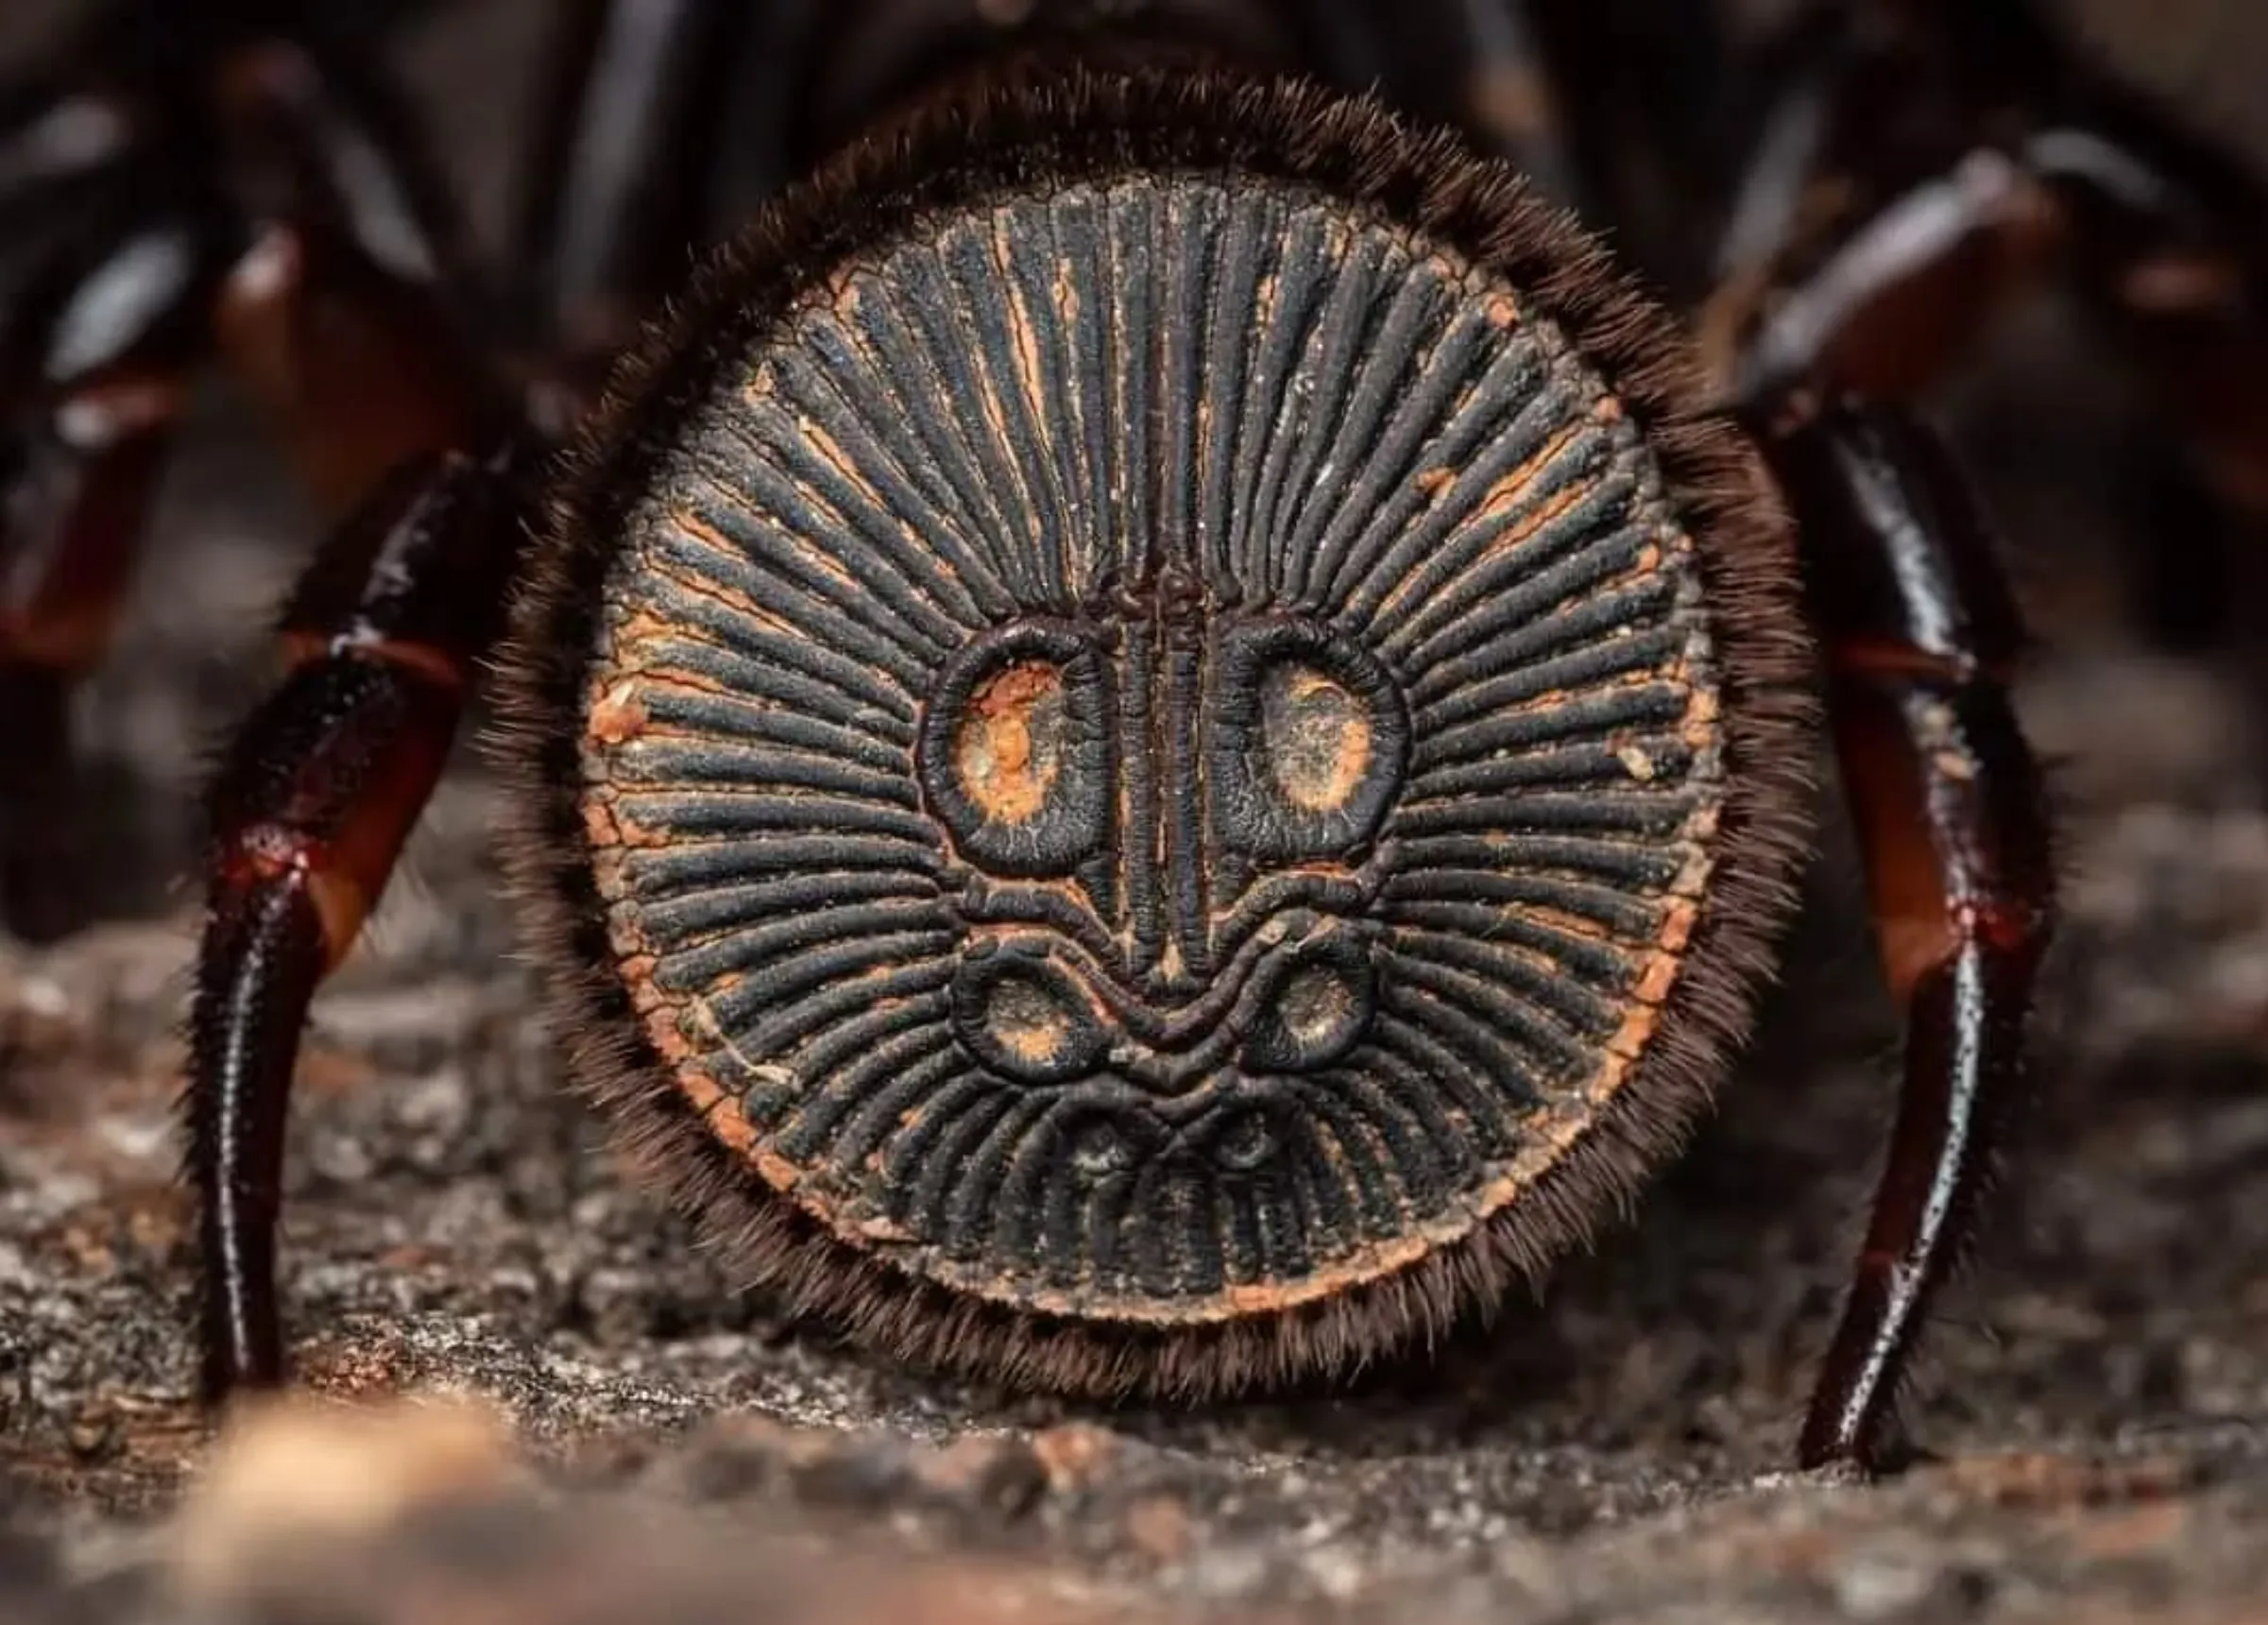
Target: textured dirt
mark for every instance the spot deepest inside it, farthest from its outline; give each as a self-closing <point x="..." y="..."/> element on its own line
<point x="2098" y="1395"/>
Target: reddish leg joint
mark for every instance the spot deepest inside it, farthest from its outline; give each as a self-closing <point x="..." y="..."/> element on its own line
<point x="1919" y="629"/>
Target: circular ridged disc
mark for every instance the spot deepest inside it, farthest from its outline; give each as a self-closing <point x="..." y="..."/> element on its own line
<point x="1153" y="755"/>
<point x="1159" y="745"/>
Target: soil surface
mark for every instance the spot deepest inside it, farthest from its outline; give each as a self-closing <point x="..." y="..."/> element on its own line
<point x="630" y="1440"/>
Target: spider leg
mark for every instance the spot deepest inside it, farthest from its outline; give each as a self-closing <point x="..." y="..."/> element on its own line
<point x="350" y="314"/>
<point x="56" y="136"/>
<point x="2030" y="166"/>
<point x="2171" y="258"/>
<point x="1919" y="628"/>
<point x="124" y="72"/>
<point x="204" y="131"/>
<point x="1478" y="64"/>
<point x="1886" y="311"/>
<point x="346" y="317"/>
<point x="621" y="167"/>
<point x="359" y="367"/>
<point x="1644" y="94"/>
<point x="98" y="357"/>
<point x="309" y="812"/>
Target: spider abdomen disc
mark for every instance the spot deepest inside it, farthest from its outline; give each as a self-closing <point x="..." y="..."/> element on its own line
<point x="1153" y="743"/>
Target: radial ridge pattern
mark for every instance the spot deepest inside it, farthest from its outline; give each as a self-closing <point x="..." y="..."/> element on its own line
<point x="1156" y="752"/>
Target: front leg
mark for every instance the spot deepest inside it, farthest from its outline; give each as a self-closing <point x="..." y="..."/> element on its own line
<point x="1920" y="630"/>
<point x="310" y="810"/>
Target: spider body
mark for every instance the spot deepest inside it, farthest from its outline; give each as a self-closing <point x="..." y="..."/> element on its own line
<point x="1154" y="742"/>
<point x="1158" y="733"/>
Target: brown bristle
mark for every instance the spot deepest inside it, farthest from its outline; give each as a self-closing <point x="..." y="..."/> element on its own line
<point x="1157" y="749"/>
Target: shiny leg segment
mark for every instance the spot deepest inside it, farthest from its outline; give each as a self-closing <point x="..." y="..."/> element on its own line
<point x="1905" y="191"/>
<point x="97" y="359"/>
<point x="352" y="315"/>
<point x="1881" y="214"/>
<point x="309" y="813"/>
<point x="1876" y="282"/>
<point x="57" y="137"/>
<point x="621" y="167"/>
<point x="1920" y="630"/>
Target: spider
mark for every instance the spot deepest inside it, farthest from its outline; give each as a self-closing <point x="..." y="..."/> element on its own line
<point x="1160" y="728"/>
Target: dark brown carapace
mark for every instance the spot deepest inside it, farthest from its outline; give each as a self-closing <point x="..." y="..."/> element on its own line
<point x="1160" y="738"/>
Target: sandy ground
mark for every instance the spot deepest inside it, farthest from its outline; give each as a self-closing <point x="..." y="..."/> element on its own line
<point x="2098" y="1392"/>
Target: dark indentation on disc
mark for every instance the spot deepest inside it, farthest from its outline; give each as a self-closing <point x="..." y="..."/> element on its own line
<point x="1160" y="748"/>
<point x="1310" y="739"/>
<point x="1016" y="752"/>
<point x="1027" y="1019"/>
<point x="1316" y="1006"/>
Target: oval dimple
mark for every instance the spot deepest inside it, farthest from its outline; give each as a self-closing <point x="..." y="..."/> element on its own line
<point x="1008" y="749"/>
<point x="1319" y="737"/>
<point x="1015" y="758"/>
<point x="1316" y="1006"/>
<point x="1027" y="1017"/>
